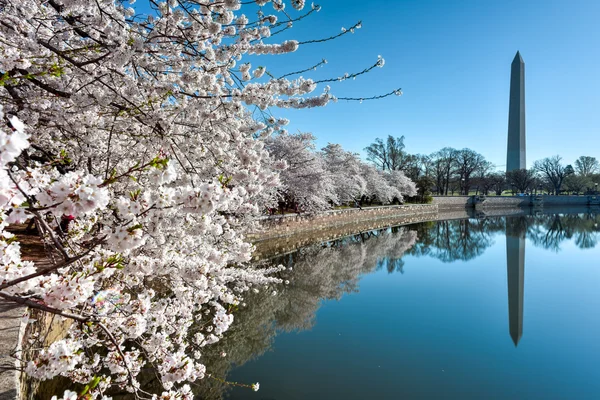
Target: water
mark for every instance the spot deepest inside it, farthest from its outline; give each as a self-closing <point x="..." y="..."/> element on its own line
<point x="494" y="308"/>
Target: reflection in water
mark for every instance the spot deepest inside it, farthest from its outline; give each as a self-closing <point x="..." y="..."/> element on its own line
<point x="515" y="271"/>
<point x="466" y="239"/>
<point x="549" y="231"/>
<point x="451" y="240"/>
<point x="317" y="273"/>
<point x="328" y="271"/>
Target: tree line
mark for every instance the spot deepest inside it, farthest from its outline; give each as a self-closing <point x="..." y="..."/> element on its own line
<point x="450" y="171"/>
<point x="314" y="179"/>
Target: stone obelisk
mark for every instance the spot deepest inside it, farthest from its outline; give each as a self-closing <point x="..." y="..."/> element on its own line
<point x="515" y="155"/>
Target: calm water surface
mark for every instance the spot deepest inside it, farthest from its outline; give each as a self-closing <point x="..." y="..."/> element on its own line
<point x="494" y="308"/>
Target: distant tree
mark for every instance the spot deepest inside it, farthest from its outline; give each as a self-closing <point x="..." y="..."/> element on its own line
<point x="378" y="154"/>
<point x="455" y="186"/>
<point x="521" y="180"/>
<point x="466" y="164"/>
<point x="413" y="165"/>
<point x="545" y="184"/>
<point x="426" y="165"/>
<point x="569" y="170"/>
<point x="498" y="182"/>
<point x="424" y="184"/>
<point x="586" y="165"/>
<point x="389" y="155"/>
<point x="487" y="183"/>
<point x="577" y="183"/>
<point x="538" y="184"/>
<point x="442" y="170"/>
<point x="552" y="171"/>
<point x="480" y="180"/>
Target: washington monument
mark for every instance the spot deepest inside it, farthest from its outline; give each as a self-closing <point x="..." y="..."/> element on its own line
<point x="515" y="155"/>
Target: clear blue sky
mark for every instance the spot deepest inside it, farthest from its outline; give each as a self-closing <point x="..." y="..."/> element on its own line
<point x="452" y="61"/>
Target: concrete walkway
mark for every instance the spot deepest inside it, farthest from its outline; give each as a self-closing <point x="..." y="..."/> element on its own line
<point x="10" y="320"/>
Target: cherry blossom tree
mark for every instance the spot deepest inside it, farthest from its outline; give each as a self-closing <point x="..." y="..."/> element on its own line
<point x="345" y="169"/>
<point x="306" y="183"/>
<point x="384" y="186"/>
<point x="378" y="187"/>
<point x="314" y="181"/>
<point x="127" y="140"/>
<point x="402" y="183"/>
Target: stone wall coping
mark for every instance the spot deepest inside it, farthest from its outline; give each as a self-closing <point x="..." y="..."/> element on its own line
<point x="283" y="225"/>
<point x="340" y="211"/>
<point x="458" y="196"/>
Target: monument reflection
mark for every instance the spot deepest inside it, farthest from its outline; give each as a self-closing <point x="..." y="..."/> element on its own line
<point x="466" y="239"/>
<point x="515" y="272"/>
<point x="547" y="231"/>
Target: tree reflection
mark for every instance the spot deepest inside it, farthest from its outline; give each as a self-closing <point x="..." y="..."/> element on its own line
<point x="550" y="231"/>
<point x="466" y="239"/>
<point x="451" y="240"/>
<point x="328" y="271"/>
<point x="318" y="272"/>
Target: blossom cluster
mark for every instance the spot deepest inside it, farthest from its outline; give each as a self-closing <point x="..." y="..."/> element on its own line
<point x="12" y="143"/>
<point x="60" y="357"/>
<point x="74" y="194"/>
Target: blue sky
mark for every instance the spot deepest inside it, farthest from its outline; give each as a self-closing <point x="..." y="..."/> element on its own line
<point x="452" y="61"/>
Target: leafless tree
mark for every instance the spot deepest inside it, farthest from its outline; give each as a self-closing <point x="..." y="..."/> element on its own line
<point x="521" y="179"/>
<point x="552" y="171"/>
<point x="467" y="163"/>
<point x="443" y="161"/>
<point x="586" y="165"/>
<point x="390" y="154"/>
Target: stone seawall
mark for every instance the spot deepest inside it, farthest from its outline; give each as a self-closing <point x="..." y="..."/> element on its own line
<point x="459" y="202"/>
<point x="292" y="237"/>
<point x="452" y="202"/>
<point x="282" y="225"/>
<point x="274" y="246"/>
